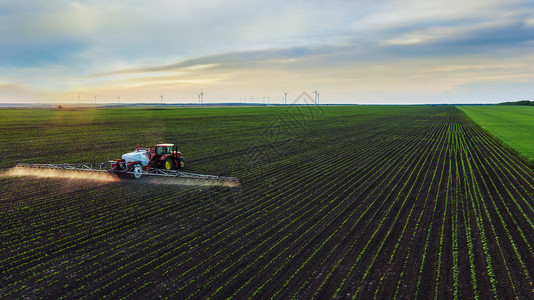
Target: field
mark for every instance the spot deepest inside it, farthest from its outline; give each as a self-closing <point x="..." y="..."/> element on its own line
<point x="513" y="125"/>
<point x="338" y="202"/>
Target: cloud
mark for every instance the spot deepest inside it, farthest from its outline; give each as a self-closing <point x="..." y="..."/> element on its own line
<point x="243" y="59"/>
<point x="98" y="35"/>
<point x="17" y="92"/>
<point x="61" y="46"/>
<point x="39" y="34"/>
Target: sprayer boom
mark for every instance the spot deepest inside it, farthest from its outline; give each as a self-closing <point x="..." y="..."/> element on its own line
<point x="135" y="172"/>
<point x="73" y="167"/>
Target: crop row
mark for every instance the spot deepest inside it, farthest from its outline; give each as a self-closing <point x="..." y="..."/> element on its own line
<point x="354" y="202"/>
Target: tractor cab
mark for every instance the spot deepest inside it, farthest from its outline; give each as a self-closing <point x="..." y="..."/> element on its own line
<point x="166" y="156"/>
<point x="163" y="149"/>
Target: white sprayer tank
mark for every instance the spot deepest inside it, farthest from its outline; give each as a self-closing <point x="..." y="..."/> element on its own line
<point x="137" y="155"/>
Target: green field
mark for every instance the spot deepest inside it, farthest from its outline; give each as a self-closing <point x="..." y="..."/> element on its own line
<point x="513" y="125"/>
<point x="361" y="202"/>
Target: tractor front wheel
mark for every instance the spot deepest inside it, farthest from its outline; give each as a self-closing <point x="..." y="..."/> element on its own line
<point x="181" y="163"/>
<point x="168" y="164"/>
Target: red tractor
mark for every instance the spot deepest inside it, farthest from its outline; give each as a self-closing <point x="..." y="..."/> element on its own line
<point x="165" y="156"/>
<point x="142" y="161"/>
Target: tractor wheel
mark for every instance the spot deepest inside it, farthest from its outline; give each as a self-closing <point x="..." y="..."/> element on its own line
<point x="137" y="171"/>
<point x="181" y="163"/>
<point x="169" y="165"/>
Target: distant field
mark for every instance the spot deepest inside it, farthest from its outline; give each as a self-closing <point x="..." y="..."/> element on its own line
<point x="362" y="202"/>
<point x="514" y="125"/>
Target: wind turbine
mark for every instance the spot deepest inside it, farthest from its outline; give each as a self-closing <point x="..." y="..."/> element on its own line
<point x="161" y="98"/>
<point x="285" y="97"/>
<point x="201" y="97"/>
<point x="316" y="96"/>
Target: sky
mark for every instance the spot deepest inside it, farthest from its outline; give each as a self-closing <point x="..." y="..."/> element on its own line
<point x="360" y="52"/>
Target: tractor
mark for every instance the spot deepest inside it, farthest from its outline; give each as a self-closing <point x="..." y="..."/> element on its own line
<point x="142" y="161"/>
<point x="166" y="156"/>
<point x="164" y="161"/>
